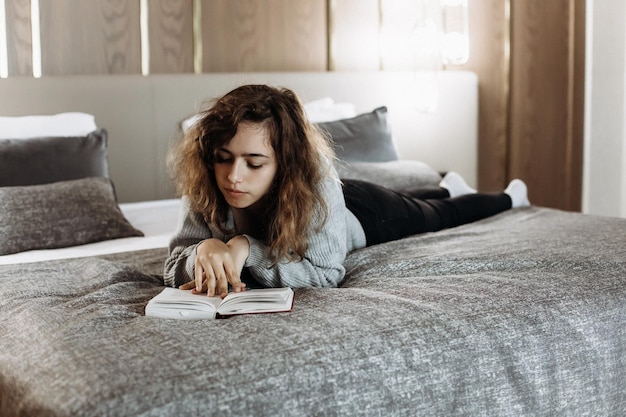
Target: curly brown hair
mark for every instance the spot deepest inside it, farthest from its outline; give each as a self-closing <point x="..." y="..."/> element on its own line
<point x="303" y="155"/>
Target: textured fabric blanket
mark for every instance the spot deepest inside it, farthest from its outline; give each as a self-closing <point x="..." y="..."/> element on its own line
<point x="521" y="314"/>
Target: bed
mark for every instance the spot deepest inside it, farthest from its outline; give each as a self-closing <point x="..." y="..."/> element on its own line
<point x="520" y="314"/>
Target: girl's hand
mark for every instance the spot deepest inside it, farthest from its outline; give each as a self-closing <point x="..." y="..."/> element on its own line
<point x="218" y="264"/>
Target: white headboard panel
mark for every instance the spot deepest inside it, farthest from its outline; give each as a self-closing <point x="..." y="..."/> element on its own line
<point x="142" y="114"/>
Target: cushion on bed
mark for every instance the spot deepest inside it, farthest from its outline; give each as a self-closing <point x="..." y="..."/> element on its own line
<point x="60" y="214"/>
<point x="45" y="160"/>
<point x="364" y="138"/>
<point x="401" y="175"/>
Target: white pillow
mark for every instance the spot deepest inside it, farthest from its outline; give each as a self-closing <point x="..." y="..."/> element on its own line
<point x="57" y="125"/>
<point x="188" y="122"/>
<point x="326" y="110"/>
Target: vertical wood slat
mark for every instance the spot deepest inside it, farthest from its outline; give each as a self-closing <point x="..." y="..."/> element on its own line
<point x="170" y="28"/>
<point x="544" y="107"/>
<point x="19" y="37"/>
<point x="488" y="58"/>
<point x="90" y="37"/>
<point x="264" y="35"/>
<point x="575" y="151"/>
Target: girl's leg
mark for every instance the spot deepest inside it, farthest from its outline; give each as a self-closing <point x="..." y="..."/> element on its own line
<point x="456" y="185"/>
<point x="451" y="185"/>
<point x="389" y="215"/>
<point x="424" y="193"/>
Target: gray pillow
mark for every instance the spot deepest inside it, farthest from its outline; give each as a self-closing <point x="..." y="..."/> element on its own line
<point x="401" y="175"/>
<point x="52" y="159"/>
<point x="60" y="214"/>
<point x="365" y="138"/>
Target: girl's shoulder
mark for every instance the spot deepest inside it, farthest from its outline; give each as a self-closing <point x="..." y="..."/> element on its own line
<point x="330" y="185"/>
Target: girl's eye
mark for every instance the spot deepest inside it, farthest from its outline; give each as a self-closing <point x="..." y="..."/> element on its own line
<point x="221" y="159"/>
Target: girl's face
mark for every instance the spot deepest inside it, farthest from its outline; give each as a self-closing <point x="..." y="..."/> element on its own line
<point x="245" y="167"/>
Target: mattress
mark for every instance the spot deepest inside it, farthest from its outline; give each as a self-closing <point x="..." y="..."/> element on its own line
<point x="523" y="313"/>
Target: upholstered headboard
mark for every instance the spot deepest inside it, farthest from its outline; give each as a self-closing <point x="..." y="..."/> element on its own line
<point x="142" y="115"/>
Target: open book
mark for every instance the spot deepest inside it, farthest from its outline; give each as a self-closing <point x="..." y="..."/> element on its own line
<point x="173" y="303"/>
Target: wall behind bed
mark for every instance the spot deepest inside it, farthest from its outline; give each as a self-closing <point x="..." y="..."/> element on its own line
<point x="142" y="114"/>
<point x="528" y="56"/>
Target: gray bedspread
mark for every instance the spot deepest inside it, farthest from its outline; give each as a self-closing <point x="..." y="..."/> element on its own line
<point x="522" y="314"/>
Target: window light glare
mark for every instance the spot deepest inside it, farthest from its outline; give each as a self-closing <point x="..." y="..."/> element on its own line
<point x="145" y="40"/>
<point x="455" y="37"/>
<point x="36" y="37"/>
<point x="197" y="36"/>
<point x="451" y="3"/>
<point x="455" y="48"/>
<point x="4" y="56"/>
<point x="426" y="91"/>
<point x="426" y="38"/>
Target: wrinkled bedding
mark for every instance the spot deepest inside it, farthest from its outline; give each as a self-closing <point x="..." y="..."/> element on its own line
<point x="520" y="314"/>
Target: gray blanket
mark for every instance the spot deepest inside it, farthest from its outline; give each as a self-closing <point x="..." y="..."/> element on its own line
<point x="522" y="314"/>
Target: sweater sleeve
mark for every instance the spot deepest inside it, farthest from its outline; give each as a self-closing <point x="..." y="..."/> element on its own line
<point x="179" y="266"/>
<point x="322" y="265"/>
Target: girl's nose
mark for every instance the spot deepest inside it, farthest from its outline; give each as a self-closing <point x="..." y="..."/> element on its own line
<point x="235" y="174"/>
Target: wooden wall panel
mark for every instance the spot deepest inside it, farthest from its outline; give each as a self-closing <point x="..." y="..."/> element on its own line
<point x="489" y="38"/>
<point x="19" y="37"/>
<point x="90" y="37"/>
<point x="264" y="35"/>
<point x="354" y="23"/>
<point x="531" y="101"/>
<point x="170" y="28"/>
<point x="545" y="103"/>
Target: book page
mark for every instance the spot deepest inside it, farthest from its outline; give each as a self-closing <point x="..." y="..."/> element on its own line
<point x="181" y="304"/>
<point x="264" y="300"/>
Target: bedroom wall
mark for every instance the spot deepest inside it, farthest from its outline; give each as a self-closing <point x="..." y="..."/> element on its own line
<point x="605" y="133"/>
<point x="142" y="115"/>
<point x="527" y="55"/>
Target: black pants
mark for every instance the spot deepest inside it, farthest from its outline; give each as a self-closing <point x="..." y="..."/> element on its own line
<point x="389" y="215"/>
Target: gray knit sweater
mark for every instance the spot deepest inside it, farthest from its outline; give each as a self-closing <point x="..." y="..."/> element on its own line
<point x="322" y="265"/>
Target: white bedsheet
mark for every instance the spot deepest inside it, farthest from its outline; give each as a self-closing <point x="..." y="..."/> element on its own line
<point x="157" y="219"/>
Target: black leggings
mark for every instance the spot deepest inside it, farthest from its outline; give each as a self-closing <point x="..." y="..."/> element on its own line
<point x="389" y="215"/>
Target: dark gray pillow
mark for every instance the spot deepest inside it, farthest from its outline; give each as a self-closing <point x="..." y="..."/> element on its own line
<point x="401" y="175"/>
<point x="60" y="214"/>
<point x="52" y="159"/>
<point x="365" y="138"/>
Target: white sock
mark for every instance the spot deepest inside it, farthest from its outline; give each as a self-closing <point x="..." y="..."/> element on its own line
<point x="518" y="192"/>
<point x="456" y="185"/>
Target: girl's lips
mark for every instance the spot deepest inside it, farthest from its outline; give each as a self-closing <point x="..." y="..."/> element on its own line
<point x="234" y="192"/>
